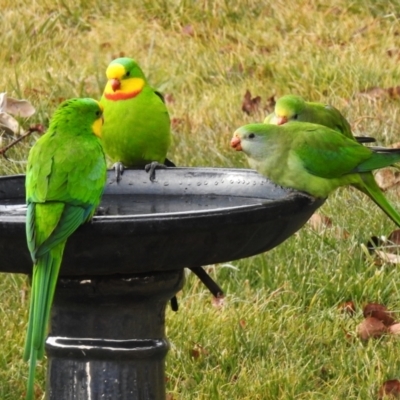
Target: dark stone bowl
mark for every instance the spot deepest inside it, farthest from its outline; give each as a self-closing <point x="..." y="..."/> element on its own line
<point x="188" y="217"/>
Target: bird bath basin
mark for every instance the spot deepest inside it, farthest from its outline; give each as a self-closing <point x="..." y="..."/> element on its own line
<point x="107" y="334"/>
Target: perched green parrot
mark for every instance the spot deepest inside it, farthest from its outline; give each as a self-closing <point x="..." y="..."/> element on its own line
<point x="65" y="178"/>
<point x="136" y="131"/>
<point x="295" y="108"/>
<point x="314" y="159"/>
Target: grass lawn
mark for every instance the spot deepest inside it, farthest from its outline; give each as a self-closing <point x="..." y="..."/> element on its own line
<point x="279" y="334"/>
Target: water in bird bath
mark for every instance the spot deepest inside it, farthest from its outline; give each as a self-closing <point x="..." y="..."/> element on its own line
<point x="140" y="204"/>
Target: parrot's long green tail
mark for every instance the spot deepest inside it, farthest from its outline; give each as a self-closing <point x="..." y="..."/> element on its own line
<point x="369" y="186"/>
<point x="44" y="280"/>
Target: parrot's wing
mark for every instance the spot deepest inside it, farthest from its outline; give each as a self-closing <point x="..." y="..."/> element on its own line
<point x="328" y="154"/>
<point x="71" y="218"/>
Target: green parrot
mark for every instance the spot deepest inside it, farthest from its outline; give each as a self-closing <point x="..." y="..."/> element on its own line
<point x="314" y="159"/>
<point x="136" y="132"/>
<point x="295" y="108"/>
<point x="65" y="178"/>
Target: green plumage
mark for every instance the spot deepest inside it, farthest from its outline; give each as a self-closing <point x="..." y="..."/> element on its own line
<point x="295" y="108"/>
<point x="136" y="131"/>
<point x="315" y="159"/>
<point x="65" y="178"/>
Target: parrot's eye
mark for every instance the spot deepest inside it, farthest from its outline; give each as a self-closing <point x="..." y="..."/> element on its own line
<point x="252" y="136"/>
<point x="98" y="113"/>
<point x="128" y="73"/>
<point x="295" y="116"/>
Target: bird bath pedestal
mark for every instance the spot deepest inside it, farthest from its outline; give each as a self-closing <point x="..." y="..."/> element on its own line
<point x="107" y="335"/>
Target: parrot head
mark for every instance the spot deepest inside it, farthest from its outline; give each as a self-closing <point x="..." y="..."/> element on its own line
<point x="125" y="79"/>
<point x="251" y="139"/>
<point x="78" y="115"/>
<point x="288" y="108"/>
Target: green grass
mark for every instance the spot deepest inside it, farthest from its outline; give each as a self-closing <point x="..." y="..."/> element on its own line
<point x="279" y="334"/>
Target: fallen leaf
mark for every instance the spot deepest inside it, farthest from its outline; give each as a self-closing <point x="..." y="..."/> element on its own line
<point x="395" y="52"/>
<point x="169" y="98"/>
<point x="389" y="390"/>
<point x="387" y="178"/>
<point x="371" y="328"/>
<point x="20" y="108"/>
<point x="375" y="92"/>
<point x="250" y="104"/>
<point x="270" y="104"/>
<point x="380" y="312"/>
<point x="389" y="258"/>
<point x="197" y="351"/>
<point x="8" y="123"/>
<point x="394" y="329"/>
<point x="348" y="308"/>
<point x="394" y="237"/>
<point x="218" y="302"/>
<point x="319" y="222"/>
<point x="188" y="30"/>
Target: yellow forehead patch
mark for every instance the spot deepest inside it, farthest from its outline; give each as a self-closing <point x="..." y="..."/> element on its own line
<point x="115" y="71"/>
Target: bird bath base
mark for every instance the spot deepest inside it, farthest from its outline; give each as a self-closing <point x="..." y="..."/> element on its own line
<point x="90" y="348"/>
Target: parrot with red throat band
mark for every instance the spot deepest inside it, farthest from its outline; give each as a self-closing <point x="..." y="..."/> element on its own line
<point x="136" y="131"/>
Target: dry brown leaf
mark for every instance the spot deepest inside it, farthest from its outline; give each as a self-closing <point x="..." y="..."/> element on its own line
<point x="8" y="123"/>
<point x="395" y="52"/>
<point x="375" y="93"/>
<point x="169" y="98"/>
<point x="348" y="308"/>
<point x="20" y="108"/>
<point x="218" y="302"/>
<point x="380" y="312"/>
<point x="394" y="329"/>
<point x="387" y="178"/>
<point x="197" y="351"/>
<point x="270" y="104"/>
<point x="371" y="328"/>
<point x="250" y="104"/>
<point x="389" y="258"/>
<point x="320" y="223"/>
<point x="188" y="30"/>
<point x="389" y="390"/>
<point x="394" y="237"/>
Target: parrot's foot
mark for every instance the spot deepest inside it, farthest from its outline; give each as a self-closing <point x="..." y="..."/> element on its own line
<point x="174" y="303"/>
<point x="119" y="170"/>
<point x="151" y="168"/>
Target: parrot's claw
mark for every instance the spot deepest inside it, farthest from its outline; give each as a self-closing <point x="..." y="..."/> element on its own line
<point x="119" y="170"/>
<point x="151" y="168"/>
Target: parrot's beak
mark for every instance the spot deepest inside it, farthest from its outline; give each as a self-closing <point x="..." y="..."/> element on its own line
<point x="281" y="120"/>
<point x="115" y="84"/>
<point x="236" y="144"/>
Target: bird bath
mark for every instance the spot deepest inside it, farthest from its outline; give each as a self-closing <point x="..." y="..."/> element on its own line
<point x="107" y="334"/>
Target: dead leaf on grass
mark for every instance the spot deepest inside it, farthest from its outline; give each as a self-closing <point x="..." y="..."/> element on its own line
<point x="371" y="328"/>
<point x="394" y="329"/>
<point x="376" y="93"/>
<point x="321" y="223"/>
<point x="218" y="302"/>
<point x="250" y="104"/>
<point x="389" y="390"/>
<point x="348" y="308"/>
<point x="380" y="312"/>
<point x="387" y="178"/>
